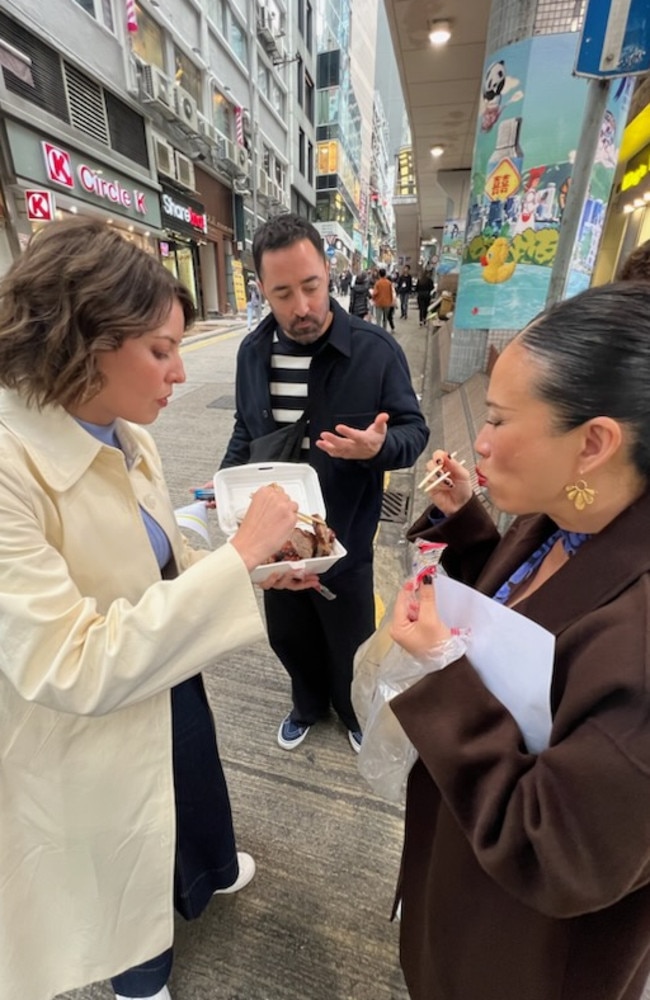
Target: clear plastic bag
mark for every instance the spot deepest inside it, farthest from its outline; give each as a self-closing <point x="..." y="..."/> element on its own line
<point x="382" y="670"/>
<point x="387" y="755"/>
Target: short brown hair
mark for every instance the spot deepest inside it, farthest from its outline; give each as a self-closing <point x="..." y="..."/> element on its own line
<point x="79" y="288"/>
<point x="636" y="266"/>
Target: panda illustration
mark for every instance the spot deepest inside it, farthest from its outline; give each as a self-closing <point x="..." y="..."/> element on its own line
<point x="493" y="84"/>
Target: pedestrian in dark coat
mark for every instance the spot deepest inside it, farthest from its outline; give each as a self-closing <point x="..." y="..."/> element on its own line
<point x="424" y="291"/>
<point x="360" y="296"/>
<point x="526" y="874"/>
<point x="364" y="419"/>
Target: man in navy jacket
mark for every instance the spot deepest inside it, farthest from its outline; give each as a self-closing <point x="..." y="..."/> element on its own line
<point x="364" y="419"/>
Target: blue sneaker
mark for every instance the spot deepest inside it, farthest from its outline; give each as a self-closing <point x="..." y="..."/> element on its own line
<point x="290" y="734"/>
<point x="355" y="737"/>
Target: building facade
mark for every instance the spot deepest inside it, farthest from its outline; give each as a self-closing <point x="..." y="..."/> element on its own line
<point x="175" y="127"/>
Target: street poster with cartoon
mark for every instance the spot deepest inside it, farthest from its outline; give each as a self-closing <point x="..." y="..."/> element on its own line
<point x="528" y="129"/>
<point x="451" y="251"/>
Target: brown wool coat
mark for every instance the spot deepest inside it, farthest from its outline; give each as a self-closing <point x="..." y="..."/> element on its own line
<point x="523" y="877"/>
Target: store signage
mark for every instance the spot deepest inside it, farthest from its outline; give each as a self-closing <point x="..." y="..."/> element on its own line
<point x="182" y="215"/>
<point x="60" y="170"/>
<point x="41" y="162"/>
<point x="638" y="169"/>
<point x="40" y="206"/>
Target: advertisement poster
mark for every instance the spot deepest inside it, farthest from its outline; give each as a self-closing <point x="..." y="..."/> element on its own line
<point x="451" y="251"/>
<point x="239" y="285"/>
<point x="592" y="220"/>
<point x="529" y="126"/>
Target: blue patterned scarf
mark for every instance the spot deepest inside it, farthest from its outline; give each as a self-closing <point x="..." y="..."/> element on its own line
<point x="571" y="540"/>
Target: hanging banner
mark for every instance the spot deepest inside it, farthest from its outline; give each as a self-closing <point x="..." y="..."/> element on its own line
<point x="528" y="129"/>
<point x="453" y="238"/>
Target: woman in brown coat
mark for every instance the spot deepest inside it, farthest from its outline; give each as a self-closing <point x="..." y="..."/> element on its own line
<point x="527" y="876"/>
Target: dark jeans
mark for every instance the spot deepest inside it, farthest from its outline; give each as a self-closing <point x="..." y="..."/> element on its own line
<point x="206" y="856"/>
<point x="316" y="640"/>
<point x="404" y="304"/>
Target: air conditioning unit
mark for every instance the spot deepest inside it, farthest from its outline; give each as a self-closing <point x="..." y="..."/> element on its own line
<point x="265" y="30"/>
<point x="186" y="108"/>
<point x="206" y="128"/>
<point x="280" y="53"/>
<point x="241" y="157"/>
<point x="184" y="170"/>
<point x="157" y="90"/>
<point x="262" y="183"/>
<point x="164" y="157"/>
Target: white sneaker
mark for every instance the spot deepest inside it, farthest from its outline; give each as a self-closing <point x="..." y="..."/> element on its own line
<point x="246" y="873"/>
<point x="162" y="994"/>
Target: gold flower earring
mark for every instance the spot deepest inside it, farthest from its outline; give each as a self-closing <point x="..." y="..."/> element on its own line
<point x="580" y="494"/>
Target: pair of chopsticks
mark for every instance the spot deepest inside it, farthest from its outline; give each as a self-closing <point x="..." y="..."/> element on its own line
<point x="436" y="477"/>
<point x="309" y="518"/>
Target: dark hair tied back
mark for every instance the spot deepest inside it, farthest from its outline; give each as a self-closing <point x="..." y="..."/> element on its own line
<point x="594" y="360"/>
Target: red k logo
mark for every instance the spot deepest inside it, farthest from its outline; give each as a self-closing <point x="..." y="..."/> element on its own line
<point x="58" y="165"/>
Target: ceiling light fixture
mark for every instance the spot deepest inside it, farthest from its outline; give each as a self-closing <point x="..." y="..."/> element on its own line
<point x="437" y="151"/>
<point x="439" y="32"/>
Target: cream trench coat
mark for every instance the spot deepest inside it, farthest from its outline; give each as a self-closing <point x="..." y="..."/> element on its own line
<point x="91" y="639"/>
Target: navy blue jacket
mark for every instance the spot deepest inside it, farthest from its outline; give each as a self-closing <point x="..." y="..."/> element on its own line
<point x="359" y="371"/>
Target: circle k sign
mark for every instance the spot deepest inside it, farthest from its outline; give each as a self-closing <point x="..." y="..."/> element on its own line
<point x="60" y="170"/>
<point x="40" y="206"/>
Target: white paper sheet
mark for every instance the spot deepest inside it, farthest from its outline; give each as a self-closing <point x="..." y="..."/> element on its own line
<point x="195" y="518"/>
<point x="512" y="655"/>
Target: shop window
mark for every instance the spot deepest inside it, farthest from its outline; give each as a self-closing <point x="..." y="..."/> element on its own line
<point x="187" y="75"/>
<point x="238" y="41"/>
<point x="149" y="40"/>
<point x="100" y="10"/>
<point x="221" y="113"/>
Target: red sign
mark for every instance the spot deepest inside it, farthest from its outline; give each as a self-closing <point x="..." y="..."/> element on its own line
<point x="40" y="206"/>
<point x="58" y="165"/>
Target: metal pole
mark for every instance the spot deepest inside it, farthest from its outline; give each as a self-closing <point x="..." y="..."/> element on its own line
<point x="597" y="94"/>
<point x="253" y="101"/>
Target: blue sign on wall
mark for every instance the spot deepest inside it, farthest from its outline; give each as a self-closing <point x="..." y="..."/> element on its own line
<point x="615" y="39"/>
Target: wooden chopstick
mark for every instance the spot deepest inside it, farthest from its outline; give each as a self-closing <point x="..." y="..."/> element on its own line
<point x="309" y="518"/>
<point x="437" y="476"/>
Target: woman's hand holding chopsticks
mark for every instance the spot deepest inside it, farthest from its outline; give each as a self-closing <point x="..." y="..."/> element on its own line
<point x="447" y="482"/>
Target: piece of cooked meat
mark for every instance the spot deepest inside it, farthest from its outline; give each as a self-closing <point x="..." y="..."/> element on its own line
<point x="324" y="538"/>
<point x="299" y="545"/>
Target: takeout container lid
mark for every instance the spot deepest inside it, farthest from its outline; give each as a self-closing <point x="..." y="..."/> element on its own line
<point x="232" y="493"/>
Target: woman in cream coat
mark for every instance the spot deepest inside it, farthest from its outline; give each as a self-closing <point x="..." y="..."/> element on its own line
<point x="103" y="611"/>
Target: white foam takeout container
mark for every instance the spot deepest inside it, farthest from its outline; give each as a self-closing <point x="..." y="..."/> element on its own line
<point x="232" y="493"/>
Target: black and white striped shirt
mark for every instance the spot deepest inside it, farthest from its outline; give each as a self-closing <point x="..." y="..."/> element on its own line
<point x="289" y="381"/>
